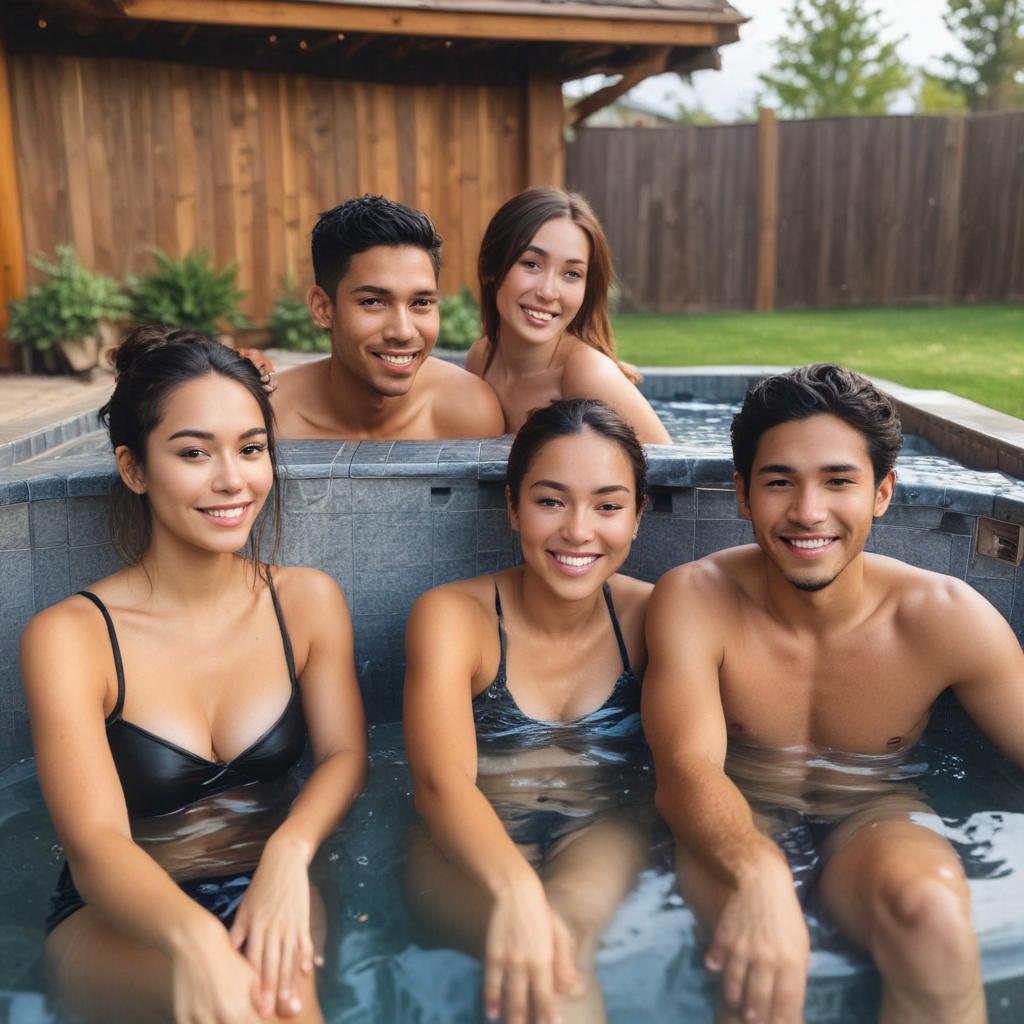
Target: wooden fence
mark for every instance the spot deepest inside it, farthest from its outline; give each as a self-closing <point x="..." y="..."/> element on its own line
<point x="117" y="156"/>
<point x="810" y="214"/>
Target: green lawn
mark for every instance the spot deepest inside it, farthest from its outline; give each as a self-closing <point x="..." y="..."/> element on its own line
<point x="975" y="351"/>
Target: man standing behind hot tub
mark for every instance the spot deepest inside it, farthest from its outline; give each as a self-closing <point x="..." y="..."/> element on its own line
<point x="814" y="665"/>
<point x="376" y="264"/>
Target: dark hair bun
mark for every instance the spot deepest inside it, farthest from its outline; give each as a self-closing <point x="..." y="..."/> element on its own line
<point x="146" y="339"/>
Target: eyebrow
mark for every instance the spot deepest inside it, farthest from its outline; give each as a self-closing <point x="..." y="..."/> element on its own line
<point x="375" y="289"/>
<point x="205" y="435"/>
<point x="543" y="252"/>
<point x="835" y="467"/>
<point x="554" y="485"/>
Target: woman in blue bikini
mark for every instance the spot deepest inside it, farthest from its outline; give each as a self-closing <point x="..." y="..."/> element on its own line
<point x="522" y="704"/>
<point x="169" y="704"/>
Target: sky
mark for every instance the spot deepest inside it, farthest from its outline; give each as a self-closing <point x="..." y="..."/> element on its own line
<point x="730" y="92"/>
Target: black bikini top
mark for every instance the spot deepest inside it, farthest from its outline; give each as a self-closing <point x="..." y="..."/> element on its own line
<point x="502" y="725"/>
<point x="158" y="776"/>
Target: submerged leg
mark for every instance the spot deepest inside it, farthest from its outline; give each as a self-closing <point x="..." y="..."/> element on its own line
<point x="586" y="877"/>
<point x="898" y="890"/>
<point x="102" y="975"/>
<point x="431" y="879"/>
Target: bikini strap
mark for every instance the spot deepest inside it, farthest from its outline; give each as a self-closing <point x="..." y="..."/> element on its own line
<point x="286" y="640"/>
<point x="615" y="625"/>
<point x="114" y="715"/>
<point x="502" y="641"/>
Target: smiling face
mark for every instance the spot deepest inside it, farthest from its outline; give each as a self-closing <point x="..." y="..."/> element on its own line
<point x="544" y="289"/>
<point x="812" y="498"/>
<point x="577" y="513"/>
<point x="208" y="470"/>
<point x="383" y="318"/>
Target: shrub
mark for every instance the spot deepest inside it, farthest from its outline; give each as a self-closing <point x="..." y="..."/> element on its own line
<point x="187" y="293"/>
<point x="67" y="306"/>
<point x="460" y="320"/>
<point x="291" y="326"/>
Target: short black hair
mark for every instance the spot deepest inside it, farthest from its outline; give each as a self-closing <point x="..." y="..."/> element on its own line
<point x="360" y="224"/>
<point x="808" y="391"/>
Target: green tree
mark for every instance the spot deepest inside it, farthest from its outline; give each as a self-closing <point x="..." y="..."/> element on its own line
<point x="991" y="75"/>
<point x="934" y="96"/>
<point x="833" y="61"/>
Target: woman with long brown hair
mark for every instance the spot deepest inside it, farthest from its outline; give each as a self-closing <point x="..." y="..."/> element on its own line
<point x="545" y="270"/>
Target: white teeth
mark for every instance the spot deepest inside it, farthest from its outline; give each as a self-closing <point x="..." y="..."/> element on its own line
<point x="396" y="360"/>
<point x="537" y="314"/>
<point x="577" y="562"/>
<point x="810" y="545"/>
<point x="225" y="513"/>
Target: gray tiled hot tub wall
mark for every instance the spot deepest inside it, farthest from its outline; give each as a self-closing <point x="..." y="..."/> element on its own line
<point x="388" y="521"/>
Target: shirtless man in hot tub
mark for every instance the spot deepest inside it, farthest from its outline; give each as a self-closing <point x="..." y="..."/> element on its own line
<point x="804" y="646"/>
<point x="376" y="264"/>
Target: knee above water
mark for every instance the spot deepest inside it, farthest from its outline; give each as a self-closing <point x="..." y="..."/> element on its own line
<point x="931" y="913"/>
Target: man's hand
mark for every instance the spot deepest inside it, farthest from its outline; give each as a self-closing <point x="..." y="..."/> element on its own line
<point x="760" y="945"/>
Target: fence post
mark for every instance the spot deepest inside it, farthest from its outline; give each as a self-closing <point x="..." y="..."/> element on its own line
<point x="12" y="245"/>
<point x="767" y="207"/>
<point x="950" y="209"/>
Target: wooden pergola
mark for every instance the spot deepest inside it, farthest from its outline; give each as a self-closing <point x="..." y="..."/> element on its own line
<point x="132" y="124"/>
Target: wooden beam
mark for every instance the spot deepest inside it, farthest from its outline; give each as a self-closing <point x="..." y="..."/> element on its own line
<point x="545" y="146"/>
<point x="12" y="240"/>
<point x="767" y="207"/>
<point x="333" y="17"/>
<point x="654" y="64"/>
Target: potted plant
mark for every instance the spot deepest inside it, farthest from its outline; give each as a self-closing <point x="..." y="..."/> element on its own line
<point x="63" y="322"/>
<point x="188" y="293"/>
<point x="291" y="326"/>
<point x="460" y="321"/>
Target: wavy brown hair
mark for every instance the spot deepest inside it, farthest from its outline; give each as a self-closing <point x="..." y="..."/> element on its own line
<point x="509" y="233"/>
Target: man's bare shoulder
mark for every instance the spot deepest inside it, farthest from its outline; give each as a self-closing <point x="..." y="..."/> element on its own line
<point x="927" y="601"/>
<point x="296" y="386"/>
<point x="729" y="574"/>
<point x="462" y="405"/>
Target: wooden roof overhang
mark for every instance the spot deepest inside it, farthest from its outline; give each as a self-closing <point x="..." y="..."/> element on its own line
<point x="405" y="40"/>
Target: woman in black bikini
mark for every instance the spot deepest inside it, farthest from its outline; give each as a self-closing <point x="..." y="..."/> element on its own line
<point x="169" y="705"/>
<point x="522" y="702"/>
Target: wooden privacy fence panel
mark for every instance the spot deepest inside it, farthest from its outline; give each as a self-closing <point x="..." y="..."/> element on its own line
<point x="991" y="251"/>
<point x="679" y="208"/>
<point x="117" y="156"/>
<point x="867" y="211"/>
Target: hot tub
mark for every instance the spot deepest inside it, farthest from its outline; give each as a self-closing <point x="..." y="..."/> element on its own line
<point x="388" y="520"/>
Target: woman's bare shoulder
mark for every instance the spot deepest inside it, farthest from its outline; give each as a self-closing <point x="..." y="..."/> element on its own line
<point x="65" y="645"/>
<point x="305" y="587"/>
<point x="630" y="592"/>
<point x="476" y="357"/>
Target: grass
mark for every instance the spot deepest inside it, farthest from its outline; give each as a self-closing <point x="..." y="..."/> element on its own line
<point x="974" y="351"/>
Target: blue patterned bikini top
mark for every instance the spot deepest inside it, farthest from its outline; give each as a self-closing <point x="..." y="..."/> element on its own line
<point x="158" y="776"/>
<point x="610" y="732"/>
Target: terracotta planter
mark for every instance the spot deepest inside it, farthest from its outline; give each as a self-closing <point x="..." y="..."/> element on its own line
<point x="81" y="354"/>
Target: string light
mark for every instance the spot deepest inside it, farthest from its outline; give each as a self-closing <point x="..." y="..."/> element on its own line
<point x="272" y="39"/>
<point x="41" y="23"/>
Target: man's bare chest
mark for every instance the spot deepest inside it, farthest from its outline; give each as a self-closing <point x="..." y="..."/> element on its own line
<point x="868" y="692"/>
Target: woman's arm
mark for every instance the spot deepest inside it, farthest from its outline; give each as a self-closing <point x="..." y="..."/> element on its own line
<point x="67" y="671"/>
<point x="591" y="374"/>
<point x="274" y="918"/>
<point x="527" y="948"/>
